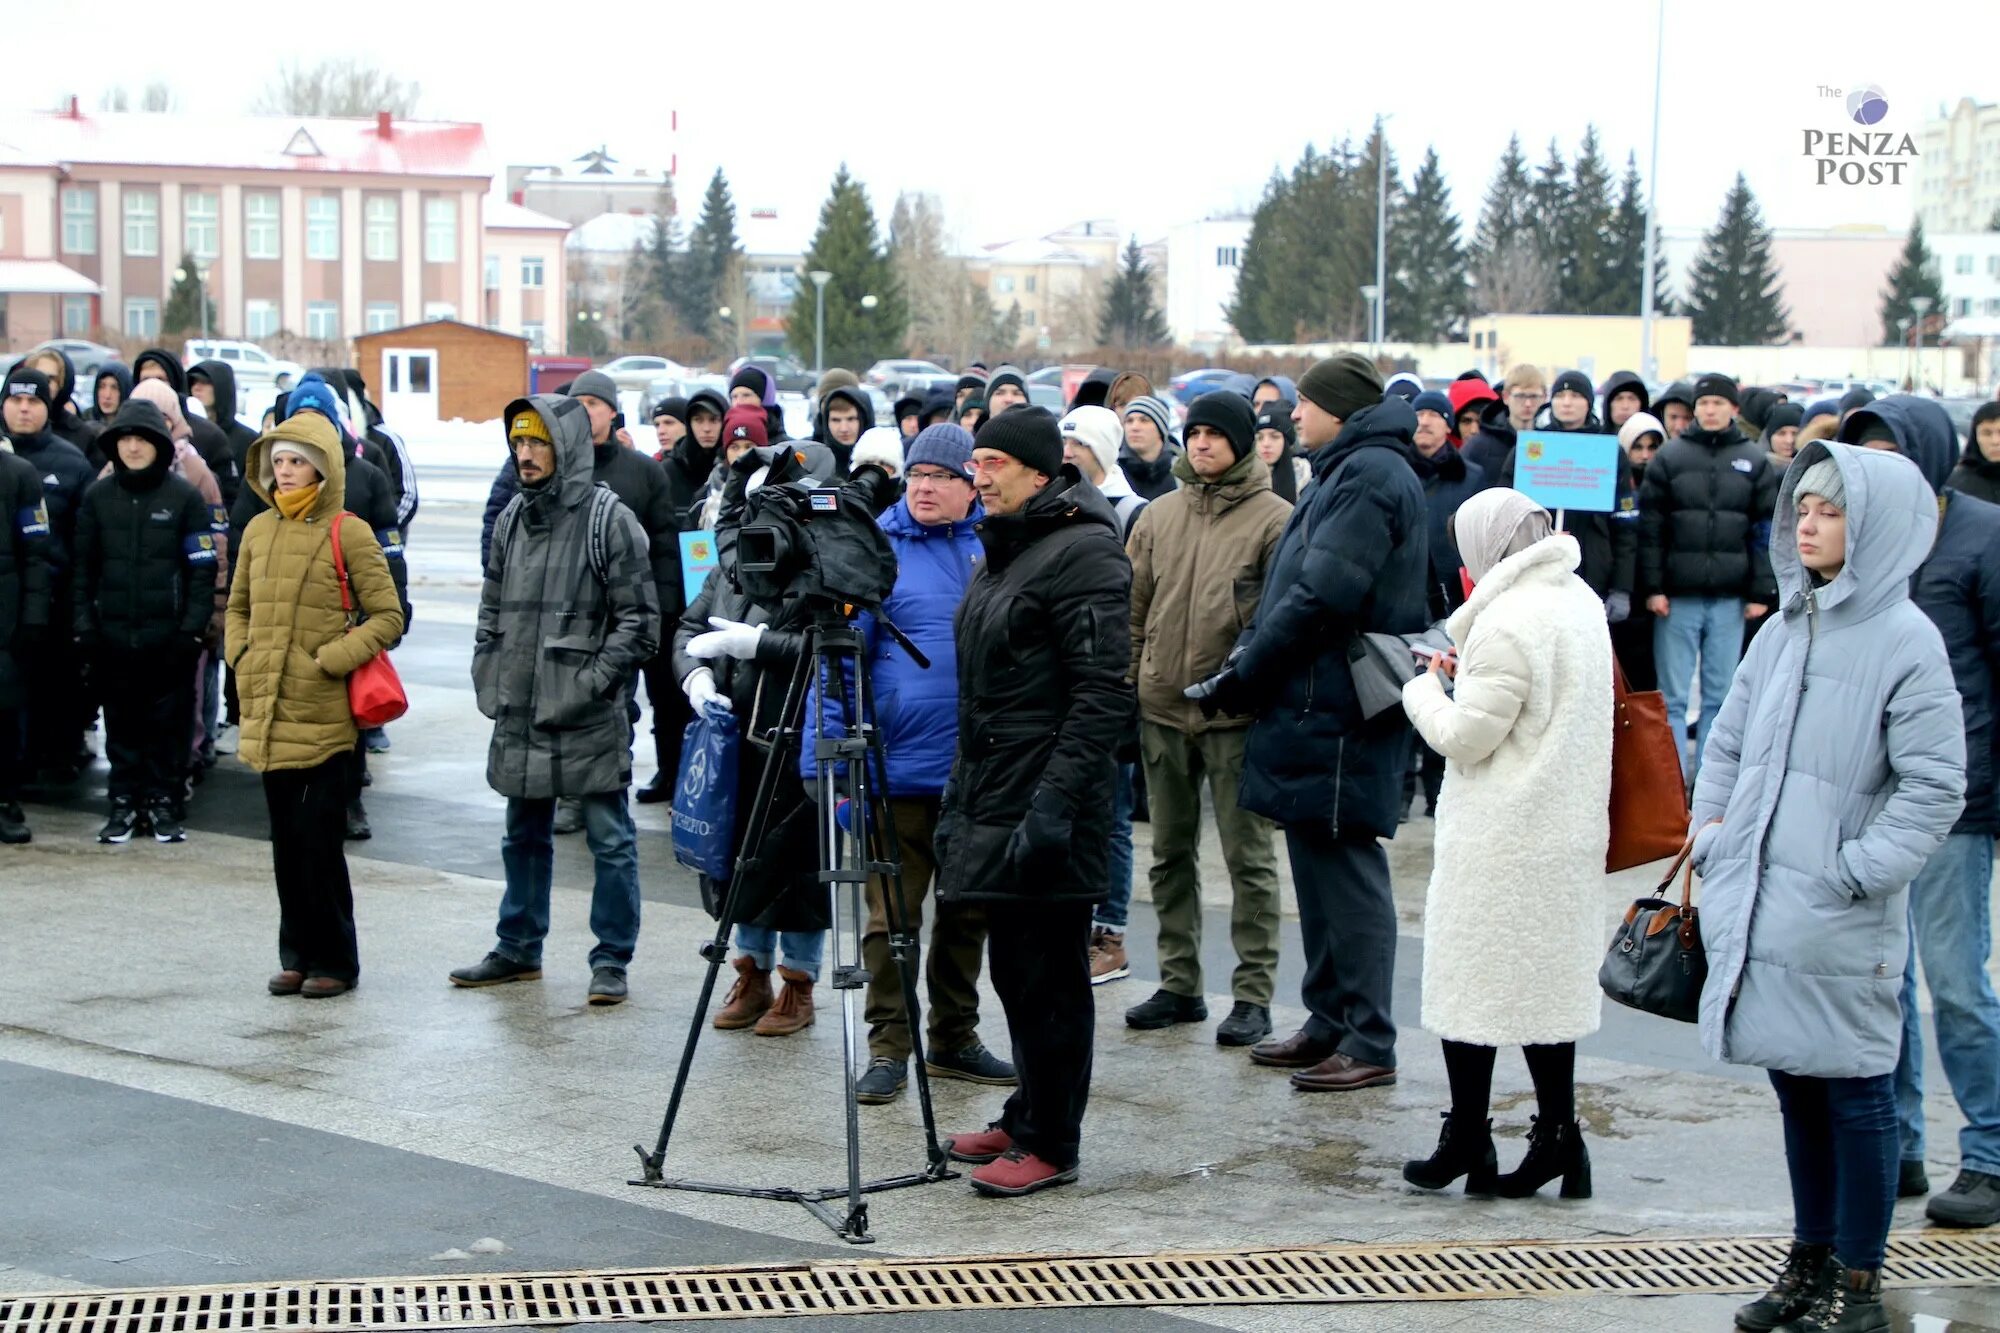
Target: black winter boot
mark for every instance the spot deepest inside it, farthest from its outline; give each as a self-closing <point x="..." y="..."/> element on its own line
<point x="1553" y="1150"/>
<point x="1807" y="1271"/>
<point x="1850" y="1301"/>
<point x="1465" y="1148"/>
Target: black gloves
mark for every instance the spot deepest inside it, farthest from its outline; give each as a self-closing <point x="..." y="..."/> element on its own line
<point x="1224" y="692"/>
<point x="1042" y="835"/>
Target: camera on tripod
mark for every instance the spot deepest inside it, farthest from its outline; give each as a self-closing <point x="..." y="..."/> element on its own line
<point x="820" y="543"/>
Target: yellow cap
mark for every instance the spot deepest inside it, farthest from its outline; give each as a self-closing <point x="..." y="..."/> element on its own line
<point x="528" y="425"/>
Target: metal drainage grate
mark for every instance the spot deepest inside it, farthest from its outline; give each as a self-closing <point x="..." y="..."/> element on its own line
<point x="1325" y="1275"/>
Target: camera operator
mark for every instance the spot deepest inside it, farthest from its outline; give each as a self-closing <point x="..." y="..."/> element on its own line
<point x="1043" y="640"/>
<point x="733" y="651"/>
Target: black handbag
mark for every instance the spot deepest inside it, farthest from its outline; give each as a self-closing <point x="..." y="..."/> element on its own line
<point x="1656" y="962"/>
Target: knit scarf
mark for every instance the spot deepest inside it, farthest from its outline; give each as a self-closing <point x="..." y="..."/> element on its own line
<point x="297" y="504"/>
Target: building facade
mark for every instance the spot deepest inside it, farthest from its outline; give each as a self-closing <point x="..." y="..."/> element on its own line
<point x="1958" y="169"/>
<point x="522" y="275"/>
<point x="1202" y="261"/>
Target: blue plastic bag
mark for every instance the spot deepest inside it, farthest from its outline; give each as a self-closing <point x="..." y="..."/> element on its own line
<point x="705" y="796"/>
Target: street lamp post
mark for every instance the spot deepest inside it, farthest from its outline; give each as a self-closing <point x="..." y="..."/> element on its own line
<point x="1649" y="366"/>
<point x="1381" y="231"/>
<point x="201" y="291"/>
<point x="820" y="277"/>
<point x="1903" y="341"/>
<point x="1921" y="305"/>
<point x="1371" y="293"/>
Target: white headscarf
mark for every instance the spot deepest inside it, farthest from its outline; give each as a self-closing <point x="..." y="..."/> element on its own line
<point x="1495" y="524"/>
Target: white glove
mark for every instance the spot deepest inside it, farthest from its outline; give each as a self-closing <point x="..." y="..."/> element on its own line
<point x="700" y="690"/>
<point x="728" y="638"/>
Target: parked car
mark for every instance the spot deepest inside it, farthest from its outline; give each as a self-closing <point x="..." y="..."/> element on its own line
<point x="1192" y="384"/>
<point x="790" y="375"/>
<point x="892" y="376"/>
<point x="1049" y="396"/>
<point x="666" y="386"/>
<point x="1960" y="411"/>
<point x="636" y="372"/>
<point x="85" y="355"/>
<point x="254" y="366"/>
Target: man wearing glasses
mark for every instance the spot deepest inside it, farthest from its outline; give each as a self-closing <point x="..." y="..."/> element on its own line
<point x="1525" y="391"/>
<point x="933" y="531"/>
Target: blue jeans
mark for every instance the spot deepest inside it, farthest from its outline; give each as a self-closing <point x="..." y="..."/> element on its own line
<point x="1116" y="909"/>
<point x="527" y="851"/>
<point x="1951" y="931"/>
<point x="1840" y="1144"/>
<point x="1709" y="629"/>
<point x="800" y="950"/>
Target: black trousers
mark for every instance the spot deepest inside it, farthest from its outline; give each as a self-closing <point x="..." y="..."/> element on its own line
<point x="315" y="901"/>
<point x="1348" y="918"/>
<point x="671" y="715"/>
<point x="1040" y="953"/>
<point x="13" y="752"/>
<point x="62" y="705"/>
<point x="148" y="721"/>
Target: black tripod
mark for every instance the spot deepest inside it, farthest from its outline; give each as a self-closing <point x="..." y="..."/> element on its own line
<point x="849" y="764"/>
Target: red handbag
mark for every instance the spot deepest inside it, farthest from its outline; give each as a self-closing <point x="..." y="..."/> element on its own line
<point x="374" y="691"/>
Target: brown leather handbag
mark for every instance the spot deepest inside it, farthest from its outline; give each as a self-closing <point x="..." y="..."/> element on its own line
<point x="1649" y="810"/>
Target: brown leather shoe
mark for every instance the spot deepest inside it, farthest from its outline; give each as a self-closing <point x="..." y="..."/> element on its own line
<point x="1298" y="1051"/>
<point x="793" y="1011"/>
<point x="1342" y="1073"/>
<point x="747" y="999"/>
<point x="324" y="988"/>
<point x="286" y="982"/>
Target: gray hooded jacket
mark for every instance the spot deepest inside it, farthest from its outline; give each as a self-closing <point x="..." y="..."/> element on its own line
<point x="1837" y="767"/>
<point x="555" y="647"/>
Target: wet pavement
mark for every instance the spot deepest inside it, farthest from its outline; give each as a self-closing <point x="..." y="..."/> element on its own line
<point x="166" y="1121"/>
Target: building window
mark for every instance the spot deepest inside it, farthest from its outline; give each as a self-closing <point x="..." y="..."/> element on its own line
<point x="260" y="225"/>
<point x="440" y="310"/>
<point x="531" y="271"/>
<point x="380" y="315"/>
<point x="200" y="232"/>
<point x="440" y="231"/>
<point x="1004" y="284"/>
<point x="1993" y="305"/>
<point x="492" y="273"/>
<point x="1027" y="316"/>
<point x="323" y="227"/>
<point x="380" y="216"/>
<point x="79" y="215"/>
<point x="142" y="316"/>
<point x="1993" y="266"/>
<point x="1962" y="306"/>
<point x="142" y="225"/>
<point x="1028" y="283"/>
<point x="1962" y="265"/>
<point x="260" y="319"/>
<point x="533" y="333"/>
<point x="75" y="316"/>
<point x="322" y="319"/>
<point x="1227" y="256"/>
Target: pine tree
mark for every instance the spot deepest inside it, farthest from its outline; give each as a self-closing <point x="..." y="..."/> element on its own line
<point x="1733" y="289"/>
<point x="846" y="246"/>
<point x="1588" y="284"/>
<point x="1509" y="274"/>
<point x="1433" y="288"/>
<point x="1256" y="277"/>
<point x="1548" y="220"/>
<point x="1626" y="252"/>
<point x="712" y="247"/>
<point x="183" y="309"/>
<point x="1131" y="317"/>
<point x="1915" y="275"/>
<point x="665" y="249"/>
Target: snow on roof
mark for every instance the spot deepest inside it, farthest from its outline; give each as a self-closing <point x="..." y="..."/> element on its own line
<point x="1036" y="250"/>
<point x="506" y="215"/>
<point x="612" y="233"/>
<point x="43" y="277"/>
<point x="253" y="143"/>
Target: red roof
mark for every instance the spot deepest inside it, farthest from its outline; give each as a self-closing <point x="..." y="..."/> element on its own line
<point x="254" y="143"/>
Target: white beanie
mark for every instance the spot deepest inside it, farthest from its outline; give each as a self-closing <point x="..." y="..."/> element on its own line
<point x="881" y="445"/>
<point x="1640" y="423"/>
<point x="1096" y="429"/>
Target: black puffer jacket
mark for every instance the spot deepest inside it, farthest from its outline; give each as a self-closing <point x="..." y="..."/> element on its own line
<point x="66" y="474"/>
<point x="207" y="437"/>
<point x="689" y="465"/>
<point x="145" y="554"/>
<point x="1705" y="518"/>
<point x="1044" y="637"/>
<point x="24" y="571"/>
<point x="1355" y="557"/>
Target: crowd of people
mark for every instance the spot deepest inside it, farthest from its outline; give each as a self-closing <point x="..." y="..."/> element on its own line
<point x="1118" y="613"/>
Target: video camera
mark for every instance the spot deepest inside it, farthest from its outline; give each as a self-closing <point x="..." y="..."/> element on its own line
<point x="798" y="539"/>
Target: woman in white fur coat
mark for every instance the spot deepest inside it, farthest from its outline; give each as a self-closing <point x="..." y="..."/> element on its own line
<point x="1513" y="921"/>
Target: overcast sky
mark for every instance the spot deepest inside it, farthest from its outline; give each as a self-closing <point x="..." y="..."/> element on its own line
<point x="1027" y="115"/>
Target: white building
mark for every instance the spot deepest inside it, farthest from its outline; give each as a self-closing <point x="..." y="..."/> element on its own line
<point x="1958" y="168"/>
<point x="1968" y="266"/>
<point x="1202" y="261"/>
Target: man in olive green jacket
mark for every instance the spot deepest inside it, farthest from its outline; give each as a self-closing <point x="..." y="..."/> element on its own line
<point x="1199" y="556"/>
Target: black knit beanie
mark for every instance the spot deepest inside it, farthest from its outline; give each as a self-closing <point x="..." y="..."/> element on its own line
<point x="1574" y="381"/>
<point x="1716" y="386"/>
<point x="1227" y="412"/>
<point x="1342" y="384"/>
<point x="1278" y="417"/>
<point x="1028" y="433"/>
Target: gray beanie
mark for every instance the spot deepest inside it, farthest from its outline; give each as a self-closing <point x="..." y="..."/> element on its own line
<point x="595" y="384"/>
<point x="1823" y="479"/>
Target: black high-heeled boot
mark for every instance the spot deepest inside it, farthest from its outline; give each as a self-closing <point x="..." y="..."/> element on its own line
<point x="1553" y="1150"/>
<point x="1465" y="1148"/>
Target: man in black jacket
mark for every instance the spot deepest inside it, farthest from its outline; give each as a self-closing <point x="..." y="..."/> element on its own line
<point x="145" y="590"/>
<point x="1043" y="637"/>
<point x="157" y="363"/>
<point x="213" y="385"/>
<point x="1354" y="558"/>
<point x="56" y="722"/>
<point x="24" y="622"/>
<point x="1704" y="553"/>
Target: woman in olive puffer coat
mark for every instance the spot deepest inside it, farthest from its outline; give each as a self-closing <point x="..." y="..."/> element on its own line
<point x="291" y="647"/>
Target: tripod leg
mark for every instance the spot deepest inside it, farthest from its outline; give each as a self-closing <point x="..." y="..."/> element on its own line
<point x="846" y="976"/>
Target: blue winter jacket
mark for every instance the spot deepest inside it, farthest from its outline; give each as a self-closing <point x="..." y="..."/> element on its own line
<point x="1958" y="587"/>
<point x="917" y="709"/>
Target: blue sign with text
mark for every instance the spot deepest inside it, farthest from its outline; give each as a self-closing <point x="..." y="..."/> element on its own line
<point x="1560" y="470"/>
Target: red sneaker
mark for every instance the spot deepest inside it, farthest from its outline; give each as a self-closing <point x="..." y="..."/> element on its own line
<point x="978" y="1148"/>
<point x="1018" y="1172"/>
